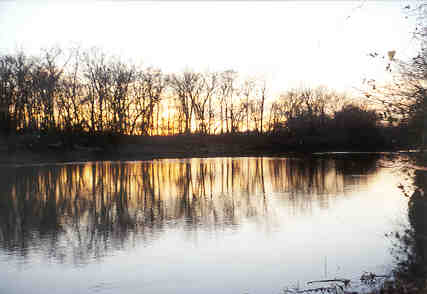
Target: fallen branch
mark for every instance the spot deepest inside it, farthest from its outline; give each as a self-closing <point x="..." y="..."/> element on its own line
<point x="346" y="282"/>
<point x="321" y="289"/>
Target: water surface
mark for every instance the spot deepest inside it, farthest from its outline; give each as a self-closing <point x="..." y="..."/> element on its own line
<point x="215" y="225"/>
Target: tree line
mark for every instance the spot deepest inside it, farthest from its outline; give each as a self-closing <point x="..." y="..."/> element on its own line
<point x="91" y="93"/>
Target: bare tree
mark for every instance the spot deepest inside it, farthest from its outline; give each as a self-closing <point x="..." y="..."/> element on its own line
<point x="46" y="77"/>
<point x="69" y="98"/>
<point x="7" y="93"/>
<point x="247" y="91"/>
<point x="208" y="85"/>
<point x="188" y="87"/>
<point x="404" y="100"/>
<point x="147" y="93"/>
<point x="98" y="78"/>
<point x="227" y="90"/>
<point x="122" y="76"/>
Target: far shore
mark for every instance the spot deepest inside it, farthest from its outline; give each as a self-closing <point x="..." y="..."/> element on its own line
<point x="14" y="152"/>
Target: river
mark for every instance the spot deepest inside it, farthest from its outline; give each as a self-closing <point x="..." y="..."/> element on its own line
<point x="212" y="225"/>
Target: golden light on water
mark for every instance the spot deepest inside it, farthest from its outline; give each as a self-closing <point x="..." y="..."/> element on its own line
<point x="222" y="215"/>
<point x="203" y="182"/>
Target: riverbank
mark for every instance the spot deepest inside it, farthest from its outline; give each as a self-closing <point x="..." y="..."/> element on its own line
<point x="23" y="149"/>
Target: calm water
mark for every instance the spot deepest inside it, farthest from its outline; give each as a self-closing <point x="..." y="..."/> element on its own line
<point x="220" y="225"/>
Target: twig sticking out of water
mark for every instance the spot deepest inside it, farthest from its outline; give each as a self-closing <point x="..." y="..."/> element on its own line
<point x="371" y="278"/>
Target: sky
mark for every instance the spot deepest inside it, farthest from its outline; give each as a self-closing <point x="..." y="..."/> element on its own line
<point x="287" y="43"/>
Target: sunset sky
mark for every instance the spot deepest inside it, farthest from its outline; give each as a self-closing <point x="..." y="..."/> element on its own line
<point x="285" y="42"/>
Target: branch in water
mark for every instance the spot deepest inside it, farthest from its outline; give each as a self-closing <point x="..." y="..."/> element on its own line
<point x="346" y="282"/>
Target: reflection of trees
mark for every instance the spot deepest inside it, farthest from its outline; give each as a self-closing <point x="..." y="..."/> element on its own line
<point x="411" y="246"/>
<point x="366" y="164"/>
<point x="84" y="211"/>
<point x="305" y="180"/>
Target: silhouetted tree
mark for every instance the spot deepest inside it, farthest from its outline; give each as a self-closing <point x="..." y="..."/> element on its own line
<point x="404" y="100"/>
<point x="187" y="88"/>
